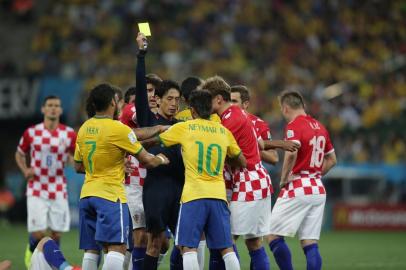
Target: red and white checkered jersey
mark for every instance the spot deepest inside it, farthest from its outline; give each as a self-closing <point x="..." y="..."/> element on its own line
<point x="261" y="127"/>
<point x="315" y="143"/>
<point x="302" y="184"/>
<point x="253" y="182"/>
<point x="129" y="118"/>
<point x="49" y="150"/>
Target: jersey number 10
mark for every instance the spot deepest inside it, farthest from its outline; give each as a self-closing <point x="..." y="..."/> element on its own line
<point x="318" y="144"/>
<point x="208" y="158"/>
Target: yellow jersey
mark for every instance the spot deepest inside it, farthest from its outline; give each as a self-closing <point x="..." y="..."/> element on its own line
<point x="186" y="115"/>
<point x="101" y="146"/>
<point x="205" y="144"/>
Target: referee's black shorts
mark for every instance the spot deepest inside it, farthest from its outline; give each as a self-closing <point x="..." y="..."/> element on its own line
<point x="161" y="199"/>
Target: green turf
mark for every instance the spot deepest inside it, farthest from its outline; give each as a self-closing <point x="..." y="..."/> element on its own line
<point x="340" y="250"/>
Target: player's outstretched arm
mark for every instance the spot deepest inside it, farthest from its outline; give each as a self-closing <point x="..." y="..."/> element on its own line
<point x="285" y="145"/>
<point x="330" y="160"/>
<point x="149" y="160"/>
<point x="149" y="132"/>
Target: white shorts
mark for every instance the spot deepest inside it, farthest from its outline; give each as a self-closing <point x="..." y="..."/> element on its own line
<point x="43" y="214"/>
<point x="251" y="219"/>
<point x="302" y="214"/>
<point x="38" y="261"/>
<point x="134" y="201"/>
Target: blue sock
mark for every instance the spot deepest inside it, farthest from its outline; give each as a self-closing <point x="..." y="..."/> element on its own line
<point x="176" y="261"/>
<point x="281" y="253"/>
<point x="138" y="255"/>
<point x="32" y="242"/>
<point x="313" y="257"/>
<point x="259" y="260"/>
<point x="236" y="251"/>
<point x="216" y="260"/>
<point x="53" y="255"/>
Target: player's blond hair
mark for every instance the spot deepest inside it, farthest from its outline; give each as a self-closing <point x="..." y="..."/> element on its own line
<point x="216" y="85"/>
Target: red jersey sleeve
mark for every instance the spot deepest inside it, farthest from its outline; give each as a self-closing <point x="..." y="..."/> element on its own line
<point x="25" y="142"/>
<point x="72" y="137"/>
<point x="263" y="130"/>
<point x="292" y="133"/>
<point x="329" y="145"/>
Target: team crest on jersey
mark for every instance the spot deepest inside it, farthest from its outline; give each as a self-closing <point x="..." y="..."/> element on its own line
<point x="290" y="134"/>
<point x="132" y="137"/>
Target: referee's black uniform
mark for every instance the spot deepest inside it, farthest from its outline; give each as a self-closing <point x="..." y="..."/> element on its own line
<point x="163" y="184"/>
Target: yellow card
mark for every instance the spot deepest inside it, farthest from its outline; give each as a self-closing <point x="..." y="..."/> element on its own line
<point x="144" y="28"/>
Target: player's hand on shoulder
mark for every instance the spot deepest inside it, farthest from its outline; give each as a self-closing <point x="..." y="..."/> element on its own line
<point x="29" y="174"/>
<point x="141" y="40"/>
<point x="164" y="159"/>
<point x="290" y="146"/>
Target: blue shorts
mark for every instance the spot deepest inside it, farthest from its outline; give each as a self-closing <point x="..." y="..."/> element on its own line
<point x="210" y="216"/>
<point x="102" y="222"/>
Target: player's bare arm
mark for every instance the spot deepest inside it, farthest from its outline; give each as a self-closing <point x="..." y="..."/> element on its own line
<point x="330" y="160"/>
<point x="270" y="156"/>
<point x="148" y="132"/>
<point x="285" y="145"/>
<point x="21" y="161"/>
<point x="288" y="163"/>
<point x="151" y="161"/>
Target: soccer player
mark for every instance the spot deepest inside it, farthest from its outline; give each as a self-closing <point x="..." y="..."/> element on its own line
<point x="163" y="185"/>
<point x="301" y="201"/>
<point x="102" y="144"/>
<point x="240" y="96"/>
<point x="48" y="256"/>
<point x="188" y="85"/>
<point x="49" y="145"/>
<point x="250" y="204"/>
<point x="205" y="145"/>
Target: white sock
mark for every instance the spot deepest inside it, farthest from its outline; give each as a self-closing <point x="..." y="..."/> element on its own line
<point x="231" y="261"/>
<point x="161" y="257"/>
<point x="90" y="261"/>
<point x="190" y="261"/>
<point x="200" y="253"/>
<point x="114" y="261"/>
<point x="127" y="260"/>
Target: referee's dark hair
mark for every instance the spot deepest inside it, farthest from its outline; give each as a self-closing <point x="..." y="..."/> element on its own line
<point x="200" y="101"/>
<point x="292" y="98"/>
<point x="165" y="86"/>
<point x="188" y="85"/>
<point x="99" y="98"/>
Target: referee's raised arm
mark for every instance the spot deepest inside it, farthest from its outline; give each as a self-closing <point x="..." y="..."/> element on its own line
<point x="143" y="111"/>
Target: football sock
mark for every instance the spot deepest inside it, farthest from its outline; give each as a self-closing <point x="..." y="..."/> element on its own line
<point x="90" y="261"/>
<point x="201" y="253"/>
<point x="313" y="257"/>
<point x="138" y="257"/>
<point x="231" y="261"/>
<point x="190" y="261"/>
<point x="33" y="242"/>
<point x="53" y="255"/>
<point x="114" y="260"/>
<point x="176" y="260"/>
<point x="127" y="259"/>
<point x="259" y="259"/>
<point x="281" y="253"/>
<point x="150" y="262"/>
<point x="216" y="261"/>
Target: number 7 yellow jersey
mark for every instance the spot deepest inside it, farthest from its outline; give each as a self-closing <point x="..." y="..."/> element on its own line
<point x="205" y="145"/>
<point x="101" y="146"/>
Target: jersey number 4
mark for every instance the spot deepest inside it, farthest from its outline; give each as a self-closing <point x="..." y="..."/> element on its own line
<point x="208" y="158"/>
<point x="318" y="144"/>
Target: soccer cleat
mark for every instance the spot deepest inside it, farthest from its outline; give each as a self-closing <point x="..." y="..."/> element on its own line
<point x="27" y="257"/>
<point x="76" y="268"/>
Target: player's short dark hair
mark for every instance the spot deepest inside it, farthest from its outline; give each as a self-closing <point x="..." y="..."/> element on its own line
<point x="243" y="90"/>
<point x="48" y="98"/>
<point x="130" y="92"/>
<point x="153" y="79"/>
<point x="164" y="87"/>
<point x="200" y="101"/>
<point x="99" y="98"/>
<point x="188" y="85"/>
<point x="292" y="98"/>
<point x="217" y="86"/>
